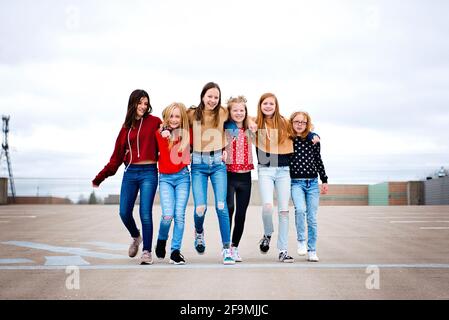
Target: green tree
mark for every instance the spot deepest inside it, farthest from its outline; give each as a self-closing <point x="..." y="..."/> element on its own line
<point x="93" y="198"/>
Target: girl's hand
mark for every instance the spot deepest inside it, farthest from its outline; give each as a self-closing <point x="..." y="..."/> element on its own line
<point x="324" y="188"/>
<point x="165" y="134"/>
<point x="252" y="125"/>
<point x="94" y="185"/>
<point x="224" y="155"/>
<point x="315" y="139"/>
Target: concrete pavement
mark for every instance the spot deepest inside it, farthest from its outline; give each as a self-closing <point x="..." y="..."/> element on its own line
<point x="80" y="252"/>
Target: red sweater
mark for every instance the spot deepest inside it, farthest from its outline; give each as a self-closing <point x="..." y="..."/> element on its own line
<point x="239" y="153"/>
<point x="170" y="160"/>
<point x="132" y="145"/>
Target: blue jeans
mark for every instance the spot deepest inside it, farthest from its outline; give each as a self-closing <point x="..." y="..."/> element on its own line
<point x="137" y="178"/>
<point x="306" y="198"/>
<point x="204" y="167"/>
<point x="174" y="190"/>
<point x="278" y="178"/>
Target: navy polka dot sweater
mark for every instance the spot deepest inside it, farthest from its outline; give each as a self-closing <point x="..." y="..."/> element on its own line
<point x="306" y="162"/>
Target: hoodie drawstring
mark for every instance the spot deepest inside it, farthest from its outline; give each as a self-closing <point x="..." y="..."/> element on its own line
<point x="130" y="151"/>
<point x="138" y="133"/>
<point x="138" y="146"/>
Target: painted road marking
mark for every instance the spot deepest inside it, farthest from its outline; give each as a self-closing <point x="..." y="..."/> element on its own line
<point x="442" y="221"/>
<point x="237" y="266"/>
<point x="108" y="245"/>
<point x="65" y="261"/>
<point x="434" y="228"/>
<point x="32" y="217"/>
<point x="409" y="217"/>
<point x="67" y="250"/>
<point x="19" y="260"/>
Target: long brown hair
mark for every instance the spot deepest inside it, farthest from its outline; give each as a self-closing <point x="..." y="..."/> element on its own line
<point x="134" y="99"/>
<point x="183" y="128"/>
<point x="279" y="122"/>
<point x="200" y="109"/>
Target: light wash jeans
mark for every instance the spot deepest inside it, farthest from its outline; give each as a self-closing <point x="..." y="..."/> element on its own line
<point x="174" y="191"/>
<point x="204" y="167"/>
<point x="143" y="179"/>
<point x="306" y="198"/>
<point x="278" y="178"/>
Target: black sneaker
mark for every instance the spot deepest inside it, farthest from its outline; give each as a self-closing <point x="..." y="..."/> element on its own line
<point x="284" y="257"/>
<point x="160" y="248"/>
<point x="264" y="244"/>
<point x="200" y="244"/>
<point x="177" y="258"/>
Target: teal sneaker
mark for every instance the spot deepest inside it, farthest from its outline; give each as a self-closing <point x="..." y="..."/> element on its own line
<point x="227" y="257"/>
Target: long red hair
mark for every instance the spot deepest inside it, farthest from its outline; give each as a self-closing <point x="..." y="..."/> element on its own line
<point x="279" y="122"/>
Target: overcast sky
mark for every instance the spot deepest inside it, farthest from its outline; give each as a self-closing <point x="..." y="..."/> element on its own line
<point x="374" y="75"/>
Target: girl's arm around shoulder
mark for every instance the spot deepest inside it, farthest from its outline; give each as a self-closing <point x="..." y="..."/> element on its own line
<point x="314" y="137"/>
<point x="252" y="124"/>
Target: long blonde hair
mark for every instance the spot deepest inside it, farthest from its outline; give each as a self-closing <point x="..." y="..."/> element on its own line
<point x="183" y="128"/>
<point x="279" y="122"/>
<point x="234" y="100"/>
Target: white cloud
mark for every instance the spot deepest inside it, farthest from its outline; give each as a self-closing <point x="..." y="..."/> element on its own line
<point x="373" y="75"/>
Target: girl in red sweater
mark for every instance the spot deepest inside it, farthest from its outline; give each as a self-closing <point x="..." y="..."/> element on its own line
<point x="136" y="147"/>
<point x="239" y="164"/>
<point x="174" y="180"/>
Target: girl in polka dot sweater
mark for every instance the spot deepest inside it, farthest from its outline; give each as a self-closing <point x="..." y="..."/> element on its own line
<point x="305" y="166"/>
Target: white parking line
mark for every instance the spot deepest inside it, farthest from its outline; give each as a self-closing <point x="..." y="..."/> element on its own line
<point x="32" y="217"/>
<point x="409" y="217"/>
<point x="422" y="221"/>
<point x="434" y="228"/>
<point x="305" y="265"/>
<point x="19" y="260"/>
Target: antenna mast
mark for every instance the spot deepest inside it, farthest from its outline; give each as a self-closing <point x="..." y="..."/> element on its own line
<point x="5" y="150"/>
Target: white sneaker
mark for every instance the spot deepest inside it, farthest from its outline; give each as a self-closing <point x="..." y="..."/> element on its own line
<point x="302" y="248"/>
<point x="227" y="257"/>
<point x="236" y="255"/>
<point x="313" y="257"/>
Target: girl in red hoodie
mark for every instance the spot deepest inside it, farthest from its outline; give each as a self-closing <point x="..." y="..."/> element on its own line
<point x="136" y="147"/>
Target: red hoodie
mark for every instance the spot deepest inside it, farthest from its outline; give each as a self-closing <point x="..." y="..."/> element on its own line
<point x="132" y="145"/>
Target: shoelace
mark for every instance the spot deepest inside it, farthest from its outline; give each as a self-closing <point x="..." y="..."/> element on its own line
<point x="227" y="254"/>
<point x="265" y="241"/>
<point x="199" y="238"/>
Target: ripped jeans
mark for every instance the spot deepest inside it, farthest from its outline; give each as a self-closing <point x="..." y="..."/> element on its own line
<point x="204" y="167"/>
<point x="174" y="191"/>
<point x="271" y="179"/>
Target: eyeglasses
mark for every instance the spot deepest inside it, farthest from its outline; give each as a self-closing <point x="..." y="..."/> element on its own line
<point x="299" y="123"/>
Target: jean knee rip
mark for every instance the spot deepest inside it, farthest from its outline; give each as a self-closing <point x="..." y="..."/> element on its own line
<point x="200" y="210"/>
